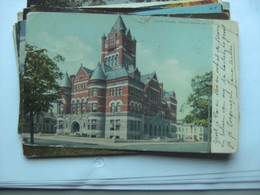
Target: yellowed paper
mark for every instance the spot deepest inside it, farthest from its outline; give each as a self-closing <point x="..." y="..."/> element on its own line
<point x="225" y="99"/>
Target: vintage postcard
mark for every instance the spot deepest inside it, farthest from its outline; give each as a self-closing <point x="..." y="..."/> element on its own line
<point x="214" y="9"/>
<point x="120" y="3"/>
<point x="101" y="81"/>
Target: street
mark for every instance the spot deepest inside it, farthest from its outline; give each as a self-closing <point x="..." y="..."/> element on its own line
<point x="83" y="142"/>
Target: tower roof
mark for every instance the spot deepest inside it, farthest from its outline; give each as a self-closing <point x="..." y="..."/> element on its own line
<point x="119" y="25"/>
<point x="98" y="73"/>
<point x="117" y="73"/>
<point x="65" y="82"/>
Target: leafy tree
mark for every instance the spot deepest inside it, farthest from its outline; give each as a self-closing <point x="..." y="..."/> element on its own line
<point x="200" y="99"/>
<point x="40" y="83"/>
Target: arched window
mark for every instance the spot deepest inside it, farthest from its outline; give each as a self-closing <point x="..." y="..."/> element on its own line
<point x="83" y="105"/>
<point x="113" y="61"/>
<point x="73" y="106"/>
<point x="113" y="107"/>
<point x="135" y="106"/>
<point x="116" y="60"/>
<point x="78" y="107"/>
<point x="118" y="107"/>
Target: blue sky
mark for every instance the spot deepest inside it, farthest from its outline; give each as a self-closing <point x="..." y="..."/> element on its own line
<point x="177" y="49"/>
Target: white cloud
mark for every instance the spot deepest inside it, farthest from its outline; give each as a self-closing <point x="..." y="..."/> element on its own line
<point x="73" y="49"/>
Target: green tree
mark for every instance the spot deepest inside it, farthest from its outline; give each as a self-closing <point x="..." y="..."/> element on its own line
<point x="40" y="83"/>
<point x="200" y="99"/>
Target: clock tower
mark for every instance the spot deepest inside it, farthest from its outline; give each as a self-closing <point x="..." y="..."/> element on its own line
<point x="119" y="47"/>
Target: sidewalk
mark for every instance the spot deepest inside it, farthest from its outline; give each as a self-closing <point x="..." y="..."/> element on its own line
<point x="72" y="141"/>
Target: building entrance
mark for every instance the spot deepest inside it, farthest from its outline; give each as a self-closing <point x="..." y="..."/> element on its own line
<point x="75" y="127"/>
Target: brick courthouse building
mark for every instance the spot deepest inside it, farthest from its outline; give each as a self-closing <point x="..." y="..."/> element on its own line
<point x="114" y="100"/>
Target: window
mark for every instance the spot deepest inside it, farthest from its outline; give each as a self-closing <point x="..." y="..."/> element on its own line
<point x="139" y="125"/>
<point x="111" y="92"/>
<point x="113" y="61"/>
<point x="88" y="124"/>
<point x="83" y="106"/>
<point x="112" y="124"/>
<point x="121" y="91"/>
<point x="61" y="106"/>
<point x="95" y="92"/>
<point x="135" y="106"/>
<point x="73" y="106"/>
<point x="155" y="130"/>
<point x="131" y="106"/>
<point x="118" y="107"/>
<point x="78" y="106"/>
<point x="116" y="60"/>
<point x="113" y="107"/>
<point x="117" y="91"/>
<point x="151" y="130"/>
<point x="94" y="107"/>
<point x="131" y="125"/>
<point x="93" y="124"/>
<point x="135" y="126"/>
<point x="118" y="124"/>
<point x="109" y="61"/>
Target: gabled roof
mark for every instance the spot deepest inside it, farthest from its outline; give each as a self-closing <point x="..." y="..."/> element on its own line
<point x="87" y="70"/>
<point x="119" y="25"/>
<point x="65" y="82"/>
<point x="148" y="77"/>
<point x="98" y="73"/>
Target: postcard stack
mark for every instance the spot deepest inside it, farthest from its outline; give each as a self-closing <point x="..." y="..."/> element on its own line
<point x="126" y="77"/>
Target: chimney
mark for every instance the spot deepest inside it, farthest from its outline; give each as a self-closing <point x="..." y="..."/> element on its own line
<point x="72" y="78"/>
